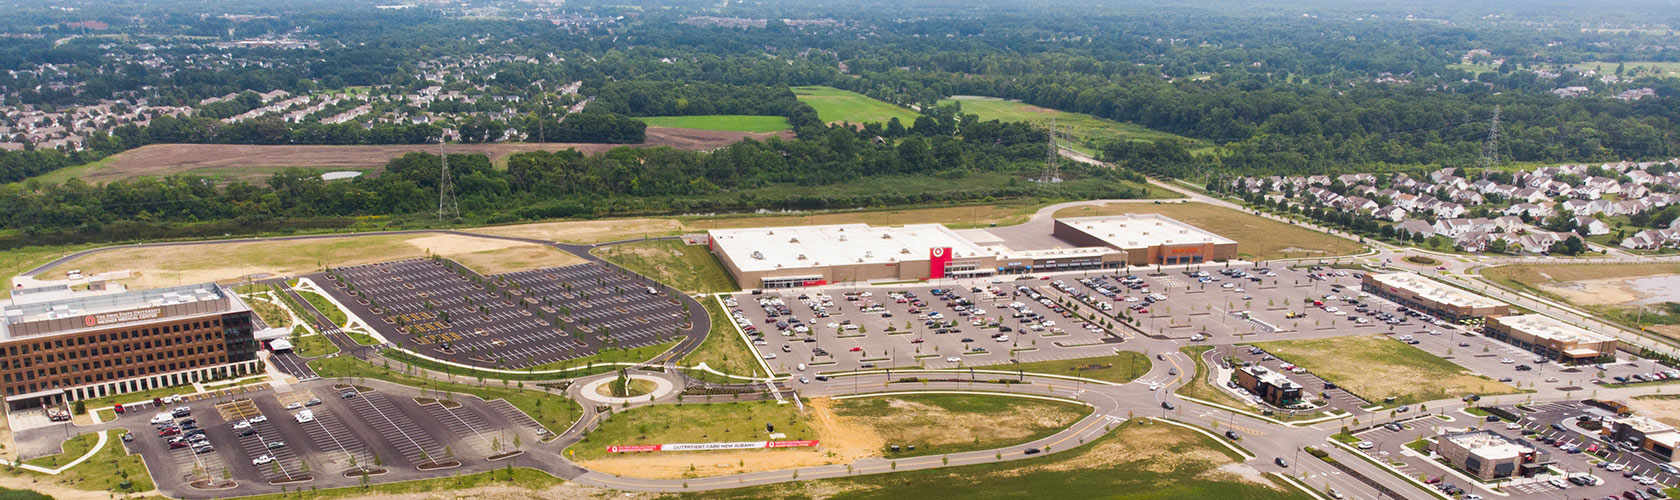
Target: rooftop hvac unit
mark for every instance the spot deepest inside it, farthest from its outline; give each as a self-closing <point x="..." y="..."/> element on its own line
<point x="793" y="240"/>
<point x="771" y="233"/>
<point x="842" y="237"/>
<point x="904" y="251"/>
<point x="801" y="256"/>
<point x="758" y="255"/>
<point x="869" y="253"/>
<point x="886" y="236"/>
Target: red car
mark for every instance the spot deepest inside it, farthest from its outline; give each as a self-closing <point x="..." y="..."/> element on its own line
<point x="917" y="341"/>
<point x="857" y="349"/>
<point x="169" y="431"/>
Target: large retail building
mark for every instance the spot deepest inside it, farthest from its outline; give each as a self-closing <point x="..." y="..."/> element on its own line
<point x="781" y="257"/>
<point x="56" y="348"/>
<point x="1438" y="299"/>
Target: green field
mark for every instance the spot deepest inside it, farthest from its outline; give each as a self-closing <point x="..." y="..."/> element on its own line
<point x="587" y="363"/>
<point x="1375" y="367"/>
<point x="723" y="350"/>
<point x="729" y="123"/>
<point x="1633" y="68"/>
<point x="105" y="471"/>
<point x="332" y="312"/>
<point x="530" y="480"/>
<point x="1138" y="461"/>
<point x="955" y="423"/>
<point x="835" y="105"/>
<point x="11" y="494"/>
<point x="1088" y="131"/>
<point x="310" y="346"/>
<point x="553" y="412"/>
<point x="1122" y="367"/>
<point x="693" y="423"/>
<point x="690" y="268"/>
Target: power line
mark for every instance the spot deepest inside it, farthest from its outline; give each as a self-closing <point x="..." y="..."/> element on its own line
<point x="1052" y="164"/>
<point x="1490" y="149"/>
<point x="447" y="209"/>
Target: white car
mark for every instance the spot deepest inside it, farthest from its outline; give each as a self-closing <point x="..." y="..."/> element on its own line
<point x="1506" y="360"/>
<point x="259" y="419"/>
<point x="1366" y="445"/>
<point x="305" y="417"/>
<point x="294" y="406"/>
<point x="262" y="460"/>
<point x="1511" y="426"/>
<point x="241" y="425"/>
<point x="953" y="359"/>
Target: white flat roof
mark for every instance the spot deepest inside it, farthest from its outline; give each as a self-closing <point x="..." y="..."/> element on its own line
<point x="1432" y="290"/>
<point x="1143" y="231"/>
<point x="1546" y="327"/>
<point x="804" y="247"/>
<point x="1489" y="445"/>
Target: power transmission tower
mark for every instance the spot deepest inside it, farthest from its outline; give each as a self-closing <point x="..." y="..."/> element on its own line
<point x="1052" y="163"/>
<point x="447" y="209"/>
<point x="542" y="113"/>
<point x="1490" y="149"/>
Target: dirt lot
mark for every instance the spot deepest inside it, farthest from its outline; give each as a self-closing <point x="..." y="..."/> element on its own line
<point x="840" y="443"/>
<point x="1665" y="409"/>
<point x="1584" y="284"/>
<point x="252" y="162"/>
<point x="588" y="231"/>
<point x="186" y="264"/>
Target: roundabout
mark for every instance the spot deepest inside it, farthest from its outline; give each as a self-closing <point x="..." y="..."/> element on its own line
<point x="642" y="387"/>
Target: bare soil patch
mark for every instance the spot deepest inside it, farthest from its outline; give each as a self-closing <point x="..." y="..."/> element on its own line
<point x="840" y="443"/>
<point x="588" y="231"/>
<point x="1663" y="409"/>
<point x="155" y="267"/>
<point x="239" y="159"/>
<point x="1607" y="291"/>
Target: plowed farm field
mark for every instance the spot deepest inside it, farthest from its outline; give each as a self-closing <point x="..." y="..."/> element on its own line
<point x="229" y="162"/>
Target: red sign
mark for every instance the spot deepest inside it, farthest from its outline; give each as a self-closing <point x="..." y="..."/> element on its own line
<point x="938" y="257"/>
<point x="738" y="445"/>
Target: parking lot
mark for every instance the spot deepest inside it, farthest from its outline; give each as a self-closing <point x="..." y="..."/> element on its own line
<point x="320" y="433"/>
<point x="511" y="321"/>
<point x="1567" y="444"/>
<point x="879" y="327"/>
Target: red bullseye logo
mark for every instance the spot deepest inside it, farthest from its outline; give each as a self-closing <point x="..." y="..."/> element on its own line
<point x="89" y="320"/>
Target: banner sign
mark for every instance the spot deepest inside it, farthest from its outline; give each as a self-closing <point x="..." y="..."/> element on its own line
<point x="738" y="445"/>
<point x="121" y="317"/>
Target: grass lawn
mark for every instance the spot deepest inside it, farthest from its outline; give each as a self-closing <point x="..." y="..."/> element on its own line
<point x="955" y="423"/>
<point x="1005" y="213"/>
<point x="74" y="448"/>
<point x="723" y="350"/>
<point x="67" y="173"/>
<point x="1257" y="238"/>
<point x="1375" y="367"/>
<point x="529" y="479"/>
<point x="1087" y="130"/>
<point x="690" y="268"/>
<point x="15" y="261"/>
<point x="1122" y="367"/>
<point x="272" y="314"/>
<point x="693" y="423"/>
<point x="310" y="346"/>
<point x="146" y="395"/>
<point x="332" y="312"/>
<point x="554" y="412"/>
<point x="105" y="471"/>
<point x="730" y="123"/>
<point x="835" y="105"/>
<point x="1644" y="68"/>
<point x="1138" y="461"/>
<point x="1199" y="388"/>
<point x="11" y="494"/>
<point x="609" y="355"/>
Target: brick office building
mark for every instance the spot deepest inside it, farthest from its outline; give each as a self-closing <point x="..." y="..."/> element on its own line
<point x="56" y="351"/>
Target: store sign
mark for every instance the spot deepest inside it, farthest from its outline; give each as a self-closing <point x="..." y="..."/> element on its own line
<point x="121" y="317"/>
<point x="938" y="258"/>
<point x="737" y="445"/>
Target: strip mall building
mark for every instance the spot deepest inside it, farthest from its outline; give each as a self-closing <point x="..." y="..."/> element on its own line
<point x="782" y="257"/>
<point x="55" y="349"/>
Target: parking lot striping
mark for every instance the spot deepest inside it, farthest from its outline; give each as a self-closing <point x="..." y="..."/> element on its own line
<point x="463" y="422"/>
<point x="336" y="442"/>
<point x="399" y="428"/>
